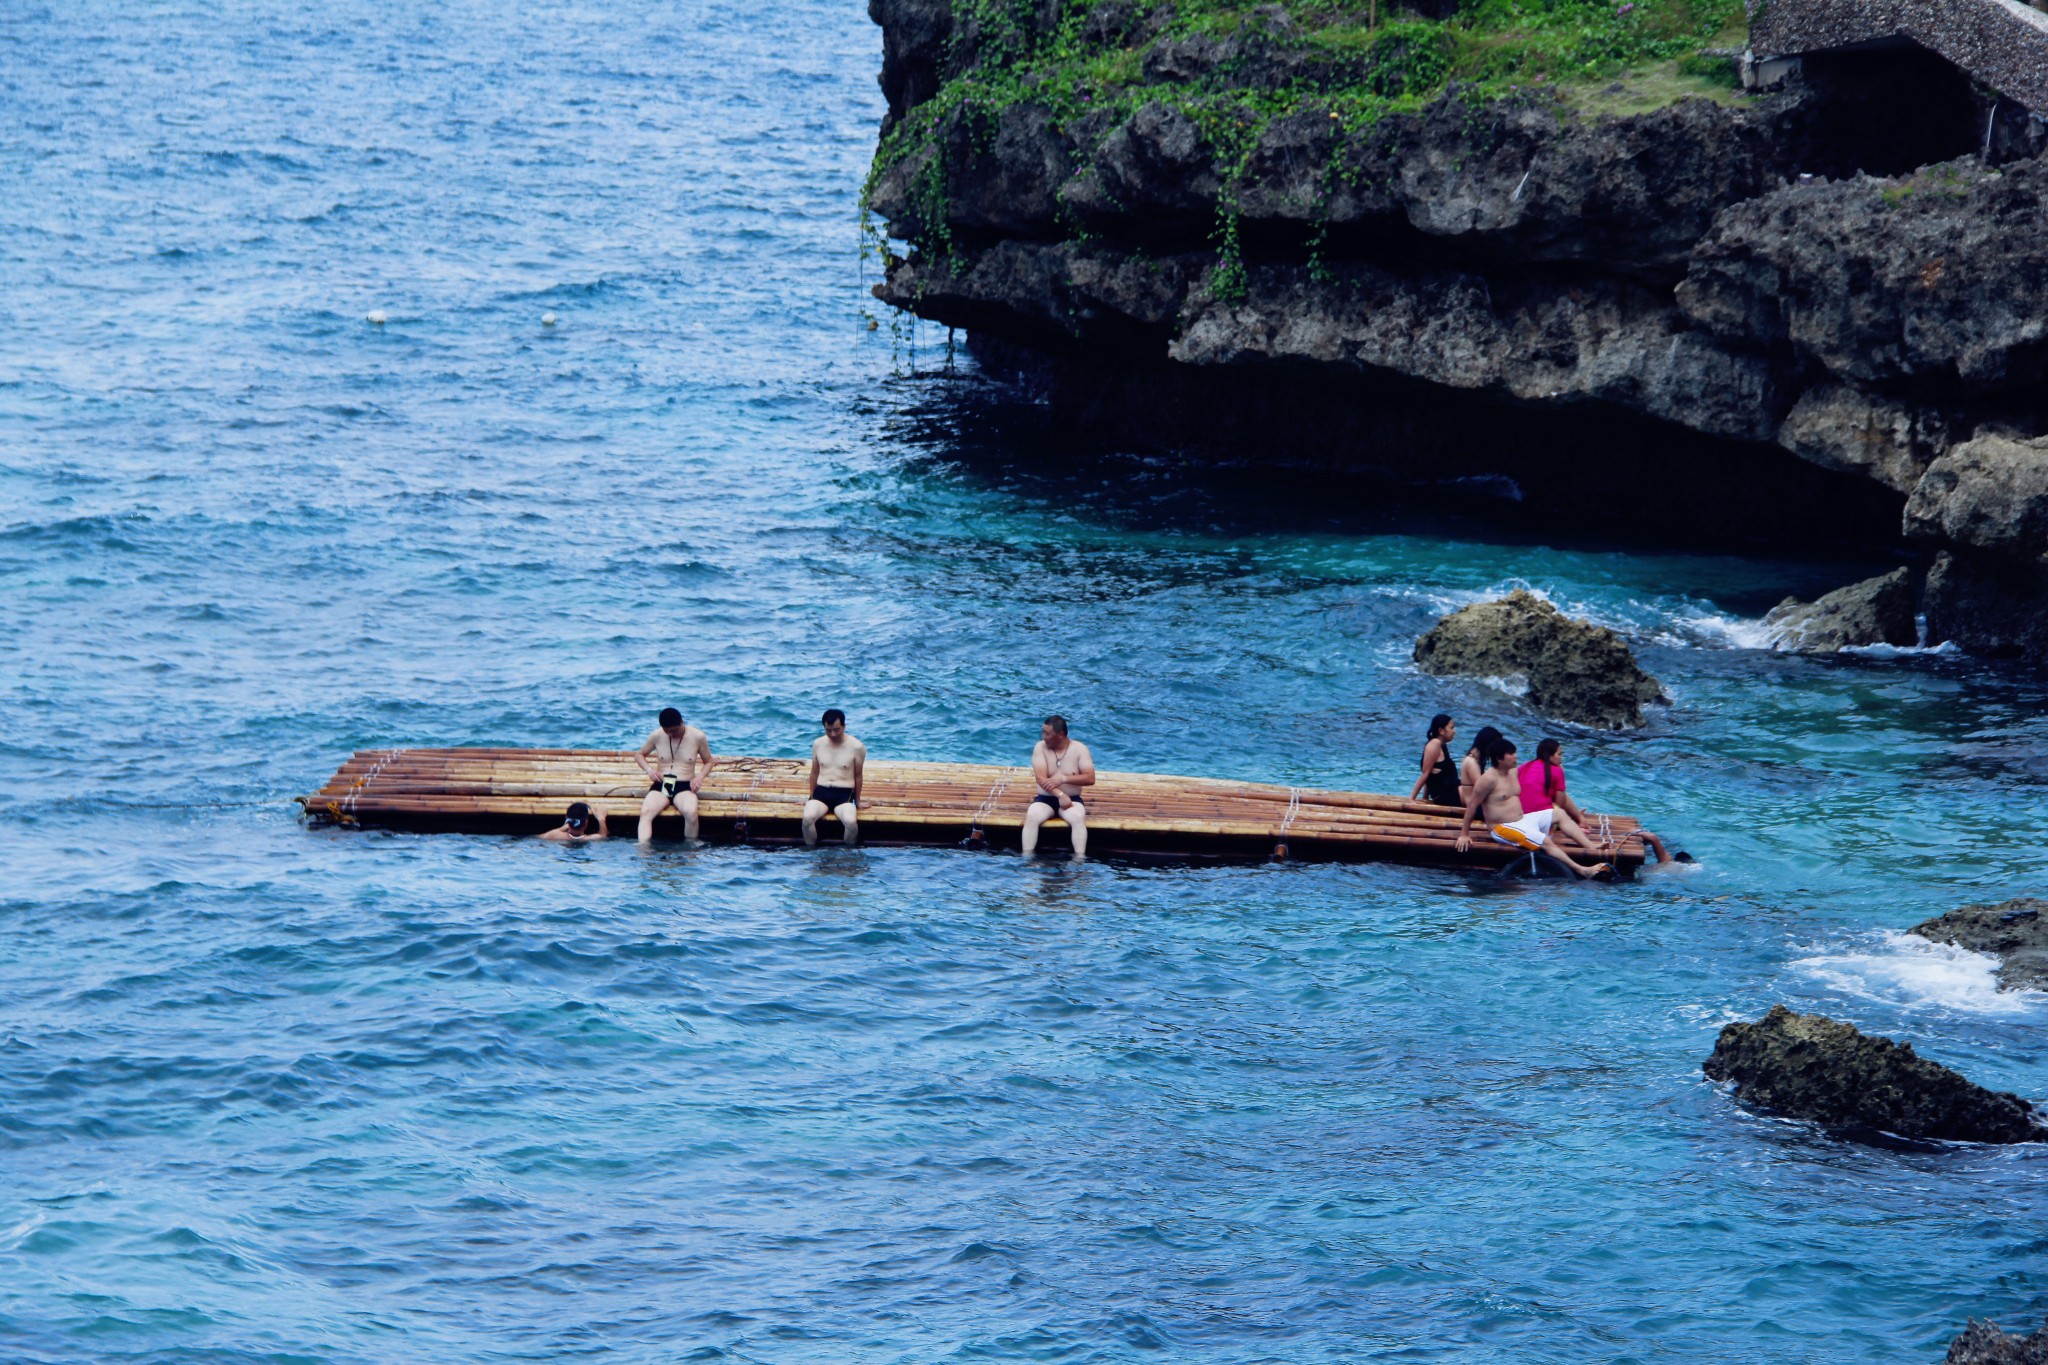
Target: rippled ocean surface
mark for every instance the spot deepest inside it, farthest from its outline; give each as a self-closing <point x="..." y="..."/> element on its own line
<point x="277" y="1094"/>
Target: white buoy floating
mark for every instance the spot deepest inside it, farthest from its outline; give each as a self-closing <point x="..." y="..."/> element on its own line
<point x="547" y="319"/>
<point x="376" y="318"/>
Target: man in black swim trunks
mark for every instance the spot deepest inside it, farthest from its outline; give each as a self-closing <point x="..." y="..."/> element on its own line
<point x="838" y="766"/>
<point x="1062" y="768"/>
<point x="677" y="760"/>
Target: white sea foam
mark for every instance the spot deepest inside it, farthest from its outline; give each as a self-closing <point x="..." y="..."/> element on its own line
<point x="1739" y="632"/>
<point x="1907" y="970"/>
<point x="13" y="1237"/>
<point x="1699" y="627"/>
<point x="1674" y="622"/>
<point x="1946" y="647"/>
<point x="1514" y="684"/>
<point x="1448" y="600"/>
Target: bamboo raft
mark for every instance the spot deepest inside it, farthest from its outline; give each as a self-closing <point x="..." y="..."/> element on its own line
<point x="525" y="791"/>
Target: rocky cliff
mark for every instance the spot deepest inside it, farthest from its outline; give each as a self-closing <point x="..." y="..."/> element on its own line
<point x="1440" y="245"/>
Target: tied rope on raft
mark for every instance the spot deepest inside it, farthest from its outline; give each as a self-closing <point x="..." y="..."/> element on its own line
<point x="1287" y="823"/>
<point x="739" y="824"/>
<point x="975" y="838"/>
<point x="346" y="810"/>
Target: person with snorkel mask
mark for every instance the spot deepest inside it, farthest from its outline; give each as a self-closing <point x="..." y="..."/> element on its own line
<point x="581" y="825"/>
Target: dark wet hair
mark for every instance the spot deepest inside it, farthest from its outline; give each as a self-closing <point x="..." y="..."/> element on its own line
<point x="1438" y="722"/>
<point x="1546" y="754"/>
<point x="1682" y="857"/>
<point x="670" y="716"/>
<point x="579" y="814"/>
<point x="1498" y="750"/>
<point x="834" y="714"/>
<point x="1058" y="723"/>
<point x="1483" y="741"/>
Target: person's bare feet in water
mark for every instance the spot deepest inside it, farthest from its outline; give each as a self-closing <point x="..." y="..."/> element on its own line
<point x="1555" y="851"/>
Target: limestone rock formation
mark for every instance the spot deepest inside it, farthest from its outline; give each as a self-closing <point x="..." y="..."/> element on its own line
<point x="1819" y="301"/>
<point x="1808" y="1066"/>
<point x="1985" y="503"/>
<point x="2015" y="930"/>
<point x="1877" y="611"/>
<point x="1576" y="670"/>
<point x="1988" y="494"/>
<point x="1924" y="281"/>
<point x="1981" y="1343"/>
<point x="1990" y="604"/>
<point x="1888" y="441"/>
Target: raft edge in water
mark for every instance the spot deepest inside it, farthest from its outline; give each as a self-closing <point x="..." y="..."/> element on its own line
<point x="909" y="803"/>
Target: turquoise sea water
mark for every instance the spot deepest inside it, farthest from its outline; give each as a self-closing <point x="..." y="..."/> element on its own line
<point x="276" y="1094"/>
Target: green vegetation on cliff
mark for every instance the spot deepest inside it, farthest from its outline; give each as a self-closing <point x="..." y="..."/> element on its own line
<point x="1236" y="66"/>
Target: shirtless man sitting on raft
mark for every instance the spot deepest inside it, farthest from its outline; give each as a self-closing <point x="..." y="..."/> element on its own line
<point x="1499" y="796"/>
<point x="1062" y="767"/>
<point x="676" y="778"/>
<point x="838" y="765"/>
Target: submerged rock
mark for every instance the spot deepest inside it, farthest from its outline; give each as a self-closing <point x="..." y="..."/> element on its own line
<point x="1877" y="611"/>
<point x="1576" y="670"/>
<point x="1981" y="1343"/>
<point x="2015" y="930"/>
<point x="1808" y="1066"/>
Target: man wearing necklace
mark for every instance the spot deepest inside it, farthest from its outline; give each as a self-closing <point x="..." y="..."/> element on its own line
<point x="670" y="758"/>
<point x="1062" y="767"/>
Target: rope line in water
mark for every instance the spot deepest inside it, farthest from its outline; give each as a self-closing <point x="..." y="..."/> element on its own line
<point x="191" y="805"/>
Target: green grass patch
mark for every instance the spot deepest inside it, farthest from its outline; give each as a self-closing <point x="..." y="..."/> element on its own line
<point x="1086" y="59"/>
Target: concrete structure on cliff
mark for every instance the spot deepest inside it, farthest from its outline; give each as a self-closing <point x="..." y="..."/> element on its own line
<point x="2001" y="44"/>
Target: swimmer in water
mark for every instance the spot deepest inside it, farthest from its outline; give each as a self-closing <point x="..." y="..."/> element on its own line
<point x="1665" y="856"/>
<point x="581" y="825"/>
<point x="1498" y="796"/>
<point x="838" y="766"/>
<point x="1062" y="766"/>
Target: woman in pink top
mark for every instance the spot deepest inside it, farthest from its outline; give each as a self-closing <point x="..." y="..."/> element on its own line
<point x="1543" y="787"/>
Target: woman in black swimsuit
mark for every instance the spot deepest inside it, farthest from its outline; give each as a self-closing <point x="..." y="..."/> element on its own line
<point x="1439" y="778"/>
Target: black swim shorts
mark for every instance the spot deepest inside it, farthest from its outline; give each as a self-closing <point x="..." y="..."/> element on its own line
<point x="670" y="784"/>
<point x="1052" y="801"/>
<point x="833" y="797"/>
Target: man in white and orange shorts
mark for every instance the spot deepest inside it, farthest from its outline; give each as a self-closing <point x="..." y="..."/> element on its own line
<point x="1498" y="796"/>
